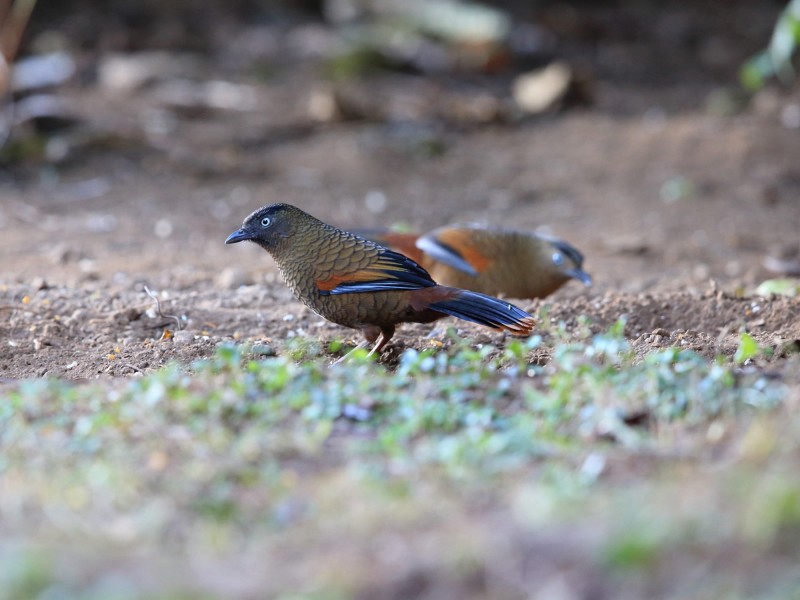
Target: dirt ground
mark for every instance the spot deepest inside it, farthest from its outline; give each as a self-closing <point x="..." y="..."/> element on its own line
<point x="142" y="207"/>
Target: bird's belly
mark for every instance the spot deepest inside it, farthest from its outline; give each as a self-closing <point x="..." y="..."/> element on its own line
<point x="368" y="308"/>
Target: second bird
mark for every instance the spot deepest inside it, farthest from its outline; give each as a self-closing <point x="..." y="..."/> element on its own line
<point x="490" y="260"/>
<point x="360" y="284"/>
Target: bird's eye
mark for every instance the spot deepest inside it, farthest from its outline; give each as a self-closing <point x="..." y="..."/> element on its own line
<point x="558" y="258"/>
<point x="266" y="221"/>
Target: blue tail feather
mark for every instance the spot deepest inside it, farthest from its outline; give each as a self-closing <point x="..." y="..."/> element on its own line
<point x="486" y="310"/>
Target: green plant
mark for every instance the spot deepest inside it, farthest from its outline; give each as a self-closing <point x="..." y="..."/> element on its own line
<point x="776" y="59"/>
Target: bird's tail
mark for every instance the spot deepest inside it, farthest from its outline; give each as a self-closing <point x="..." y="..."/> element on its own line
<point x="475" y="307"/>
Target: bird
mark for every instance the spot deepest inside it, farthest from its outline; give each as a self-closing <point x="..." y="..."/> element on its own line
<point x="357" y="283"/>
<point x="490" y="260"/>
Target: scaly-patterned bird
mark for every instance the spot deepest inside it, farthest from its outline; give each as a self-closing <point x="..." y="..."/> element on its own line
<point x="489" y="260"/>
<point x="360" y="284"/>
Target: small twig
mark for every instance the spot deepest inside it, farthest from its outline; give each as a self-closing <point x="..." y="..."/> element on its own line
<point x="159" y="325"/>
<point x="12" y="307"/>
<point x="153" y="295"/>
<point x="6" y="101"/>
<point x="13" y="21"/>
<point x="6" y="115"/>
<point x="16" y="20"/>
<point x="5" y="11"/>
<point x="5" y="7"/>
<point x="133" y="368"/>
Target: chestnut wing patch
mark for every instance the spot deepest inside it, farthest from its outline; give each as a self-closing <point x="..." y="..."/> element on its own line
<point x="389" y="271"/>
<point x="455" y="248"/>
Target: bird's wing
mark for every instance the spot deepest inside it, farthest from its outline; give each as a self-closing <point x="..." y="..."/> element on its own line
<point x="399" y="241"/>
<point x="388" y="271"/>
<point x="455" y="247"/>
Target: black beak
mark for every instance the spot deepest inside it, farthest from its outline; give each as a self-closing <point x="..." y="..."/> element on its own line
<point x="580" y="275"/>
<point x="240" y="235"/>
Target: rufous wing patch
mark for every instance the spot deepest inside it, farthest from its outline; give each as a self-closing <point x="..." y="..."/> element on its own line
<point x="389" y="271"/>
<point x="455" y="248"/>
<point x="404" y="243"/>
<point x="336" y="279"/>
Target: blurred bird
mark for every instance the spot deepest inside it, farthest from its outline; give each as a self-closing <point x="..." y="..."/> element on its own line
<point x="360" y="284"/>
<point x="489" y="260"/>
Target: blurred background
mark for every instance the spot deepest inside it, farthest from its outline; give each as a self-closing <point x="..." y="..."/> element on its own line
<point x="660" y="138"/>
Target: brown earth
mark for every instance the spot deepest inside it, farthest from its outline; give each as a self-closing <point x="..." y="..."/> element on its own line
<point x="679" y="195"/>
<point x="81" y="239"/>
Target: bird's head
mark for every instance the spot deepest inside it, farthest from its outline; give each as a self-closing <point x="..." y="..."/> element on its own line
<point x="567" y="260"/>
<point x="270" y="227"/>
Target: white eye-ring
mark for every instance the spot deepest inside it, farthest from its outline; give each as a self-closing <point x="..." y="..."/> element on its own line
<point x="266" y="222"/>
<point x="557" y="258"/>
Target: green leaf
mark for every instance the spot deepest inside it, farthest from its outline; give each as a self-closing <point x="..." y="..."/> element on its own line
<point x="636" y="549"/>
<point x="781" y="286"/>
<point x="755" y="72"/>
<point x="676" y="188"/>
<point x="748" y="348"/>
<point x="777" y="58"/>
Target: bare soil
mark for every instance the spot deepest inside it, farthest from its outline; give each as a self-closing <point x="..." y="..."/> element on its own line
<point x="81" y="239"/>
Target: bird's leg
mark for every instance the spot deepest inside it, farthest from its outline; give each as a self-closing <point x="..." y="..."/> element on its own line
<point x="379" y="336"/>
<point x="371" y="333"/>
<point x="383" y="339"/>
<point x="379" y="344"/>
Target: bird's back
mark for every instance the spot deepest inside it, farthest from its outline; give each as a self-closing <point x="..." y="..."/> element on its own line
<point x="514" y="263"/>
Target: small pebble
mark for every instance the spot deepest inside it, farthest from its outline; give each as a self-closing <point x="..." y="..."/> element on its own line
<point x="39" y="283"/>
<point x="232" y="278"/>
<point x="355" y="412"/>
<point x="263" y="350"/>
<point x="790" y="116"/>
<point x="50" y="330"/>
<point x="163" y="228"/>
<point x="87" y="265"/>
<point x="182" y="337"/>
<point x="375" y="201"/>
<point x="79" y="315"/>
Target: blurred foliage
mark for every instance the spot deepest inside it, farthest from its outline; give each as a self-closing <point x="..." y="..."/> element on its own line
<point x="776" y="60"/>
<point x="783" y="286"/>
<point x="245" y="456"/>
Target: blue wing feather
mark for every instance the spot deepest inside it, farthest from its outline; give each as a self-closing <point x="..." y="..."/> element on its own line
<point x="444" y="253"/>
<point x="392" y="271"/>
